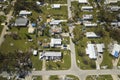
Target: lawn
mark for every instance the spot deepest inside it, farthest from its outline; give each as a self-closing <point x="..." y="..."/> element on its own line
<point x="72" y="77"/>
<point x="54" y="77"/>
<point x="11" y="45"/>
<point x="100" y="77"/>
<point x="37" y="78"/>
<point x="57" y="1"/>
<point x="37" y="64"/>
<point x="64" y="64"/>
<point x="66" y="40"/>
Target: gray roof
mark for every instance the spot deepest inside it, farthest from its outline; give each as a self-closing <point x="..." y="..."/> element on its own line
<point x="52" y="53"/>
<point x="21" y="21"/>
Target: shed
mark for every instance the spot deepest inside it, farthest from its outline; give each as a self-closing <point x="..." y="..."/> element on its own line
<point x="35" y="52"/>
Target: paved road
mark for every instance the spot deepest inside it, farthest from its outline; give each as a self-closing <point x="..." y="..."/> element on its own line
<point x="5" y="26"/>
<point x="69" y="11"/>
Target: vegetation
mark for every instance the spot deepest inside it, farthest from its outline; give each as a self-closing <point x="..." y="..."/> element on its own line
<point x="64" y="64"/>
<point x="72" y="77"/>
<point x="54" y="77"/>
<point x="99" y="77"/>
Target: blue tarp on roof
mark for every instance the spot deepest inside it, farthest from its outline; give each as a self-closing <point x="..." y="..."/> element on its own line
<point x="33" y="24"/>
<point x="116" y="54"/>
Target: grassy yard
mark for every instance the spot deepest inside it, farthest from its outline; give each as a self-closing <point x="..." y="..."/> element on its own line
<point x="60" y="65"/>
<point x="57" y="1"/>
<point x="66" y="40"/>
<point x="37" y="64"/>
<point x="72" y="77"/>
<point x="37" y="78"/>
<point x="54" y="77"/>
<point x="100" y="77"/>
<point x="11" y="45"/>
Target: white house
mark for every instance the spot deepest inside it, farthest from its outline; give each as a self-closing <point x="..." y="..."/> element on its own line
<point x="24" y="13"/>
<point x="50" y="55"/>
<point x="55" y="6"/>
<point x="55" y="42"/>
<point x="83" y="1"/>
<point x="115" y="24"/>
<point x="86" y="8"/>
<point x="91" y="35"/>
<point x="87" y="17"/>
<point x="93" y="50"/>
<point x="115" y="8"/>
<point x="89" y="24"/>
<point x="90" y="51"/>
<point x="111" y="1"/>
<point x="115" y="50"/>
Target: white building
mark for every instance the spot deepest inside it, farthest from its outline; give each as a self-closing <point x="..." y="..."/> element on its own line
<point x="111" y="1"/>
<point x="89" y="24"/>
<point x="24" y="13"/>
<point x="55" y="42"/>
<point x="91" y="35"/>
<point x="93" y="50"/>
<point x="87" y="17"/>
<point x="50" y="55"/>
<point x="35" y="52"/>
<point x="86" y="8"/>
<point x="115" y="50"/>
<point x="83" y="1"/>
<point x="55" y="6"/>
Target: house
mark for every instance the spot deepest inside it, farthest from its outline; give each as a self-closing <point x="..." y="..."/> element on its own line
<point x="100" y="48"/>
<point x="115" y="50"/>
<point x="2" y="0"/>
<point x="50" y="55"/>
<point x="90" y="50"/>
<point x="35" y="52"/>
<point x="87" y="17"/>
<point x="87" y="8"/>
<point x="114" y="8"/>
<point x="55" y="22"/>
<point x="111" y="1"/>
<point x="83" y="1"/>
<point x="89" y="24"/>
<point x="55" y="42"/>
<point x="55" y="6"/>
<point x="93" y="50"/>
<point x="115" y="24"/>
<point x="24" y="13"/>
<point x="55" y="30"/>
<point x="91" y="35"/>
<point x="21" y="21"/>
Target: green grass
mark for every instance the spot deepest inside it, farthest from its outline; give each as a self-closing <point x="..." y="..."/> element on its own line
<point x="100" y="77"/>
<point x="54" y="77"/>
<point x="64" y="64"/>
<point x="37" y="64"/>
<point x="66" y="40"/>
<point x="20" y="44"/>
<point x="37" y="77"/>
<point x="73" y="77"/>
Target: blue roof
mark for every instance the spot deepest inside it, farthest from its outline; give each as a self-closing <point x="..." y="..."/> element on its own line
<point x="116" y="54"/>
<point x="33" y="24"/>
